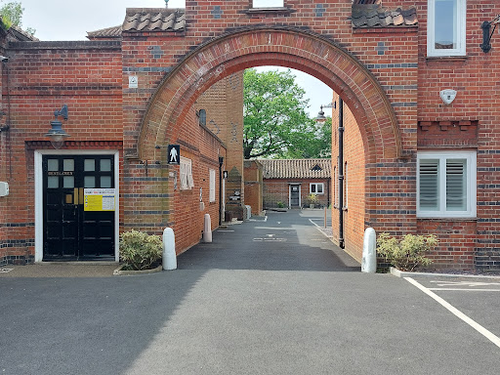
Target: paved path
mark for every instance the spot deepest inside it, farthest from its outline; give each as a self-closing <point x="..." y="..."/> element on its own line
<point x="266" y="297"/>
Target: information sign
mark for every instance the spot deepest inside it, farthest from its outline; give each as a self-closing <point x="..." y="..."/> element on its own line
<point x="99" y="199"/>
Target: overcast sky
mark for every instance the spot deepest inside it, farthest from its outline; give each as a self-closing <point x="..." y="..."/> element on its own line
<point x="70" y="20"/>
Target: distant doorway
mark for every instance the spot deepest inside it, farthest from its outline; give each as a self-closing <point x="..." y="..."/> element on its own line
<point x="294" y="196"/>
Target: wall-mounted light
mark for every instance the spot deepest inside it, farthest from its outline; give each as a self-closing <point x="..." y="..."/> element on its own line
<point x="57" y="134"/>
<point x="488" y="33"/>
<point x="321" y="115"/>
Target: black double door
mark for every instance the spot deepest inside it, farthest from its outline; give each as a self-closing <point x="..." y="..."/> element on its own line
<point x="78" y="226"/>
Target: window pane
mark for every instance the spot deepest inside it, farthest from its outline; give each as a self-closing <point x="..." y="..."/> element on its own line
<point x="445" y="35"/>
<point x="69" y="165"/>
<point x="53" y="182"/>
<point x="89" y="165"/>
<point x="320" y="189"/>
<point x="456" y="192"/>
<point x="268" y="3"/>
<point x="69" y="182"/>
<point x="89" y="182"/>
<point x="313" y="188"/>
<point x="429" y="185"/>
<point x="53" y="165"/>
<point x="105" y="165"/>
<point x="106" y="181"/>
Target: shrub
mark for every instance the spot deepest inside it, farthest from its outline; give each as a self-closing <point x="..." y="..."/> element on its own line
<point x="407" y="254"/>
<point x="312" y="199"/>
<point x="139" y="250"/>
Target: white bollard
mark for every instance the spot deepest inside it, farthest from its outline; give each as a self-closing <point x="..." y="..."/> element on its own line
<point x="248" y="212"/>
<point x="169" y="261"/>
<point x="207" y="229"/>
<point x="369" y="262"/>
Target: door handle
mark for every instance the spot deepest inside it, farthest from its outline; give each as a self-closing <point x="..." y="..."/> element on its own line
<point x="81" y="198"/>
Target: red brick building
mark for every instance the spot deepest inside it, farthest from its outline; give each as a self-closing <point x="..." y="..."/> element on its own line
<point x="417" y="161"/>
<point x="296" y="183"/>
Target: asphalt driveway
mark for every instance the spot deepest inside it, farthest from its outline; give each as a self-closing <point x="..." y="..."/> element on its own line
<point x="266" y="297"/>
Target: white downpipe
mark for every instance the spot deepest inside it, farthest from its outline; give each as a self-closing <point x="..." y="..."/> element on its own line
<point x="207" y="229"/>
<point x="169" y="261"/>
<point x="369" y="262"/>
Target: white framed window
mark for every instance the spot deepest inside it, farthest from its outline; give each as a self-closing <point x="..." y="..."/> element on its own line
<point x="346" y="190"/>
<point x="446" y="184"/>
<point x="335" y="187"/>
<point x="446" y="27"/>
<point x="268" y="3"/>
<point x="212" y="185"/>
<point x="186" y="174"/>
<point x="317" y="188"/>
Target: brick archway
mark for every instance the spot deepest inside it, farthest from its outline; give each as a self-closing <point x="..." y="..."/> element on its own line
<point x="286" y="47"/>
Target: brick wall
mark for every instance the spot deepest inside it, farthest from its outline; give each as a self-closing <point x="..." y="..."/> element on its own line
<point x="190" y="206"/>
<point x="276" y="192"/>
<point x="470" y="122"/>
<point x="254" y="186"/>
<point x="223" y="103"/>
<point x="42" y="77"/>
<point x="384" y="76"/>
<point x="354" y="182"/>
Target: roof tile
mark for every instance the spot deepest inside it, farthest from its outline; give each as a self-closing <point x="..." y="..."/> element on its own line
<point x="154" y="19"/>
<point x="373" y="15"/>
<point x="296" y="168"/>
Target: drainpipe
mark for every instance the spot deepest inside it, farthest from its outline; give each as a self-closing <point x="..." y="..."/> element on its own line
<point x="221" y="162"/>
<point x="341" y="174"/>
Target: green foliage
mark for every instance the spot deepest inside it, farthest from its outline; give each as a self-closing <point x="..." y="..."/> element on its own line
<point x="275" y="120"/>
<point x="139" y="250"/>
<point x="312" y="199"/>
<point x="407" y="254"/>
<point x="12" y="15"/>
<point x="280" y="204"/>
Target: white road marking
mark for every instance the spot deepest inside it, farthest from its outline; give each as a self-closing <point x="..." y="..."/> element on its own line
<point x="464" y="283"/>
<point x="490" y="336"/>
<point x="272" y="239"/>
<point x="467" y="290"/>
<point x="274" y="228"/>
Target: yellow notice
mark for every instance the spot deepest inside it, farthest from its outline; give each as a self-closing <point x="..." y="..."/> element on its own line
<point x="99" y="199"/>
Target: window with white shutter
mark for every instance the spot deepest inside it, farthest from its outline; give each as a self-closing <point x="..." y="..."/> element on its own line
<point x="446" y="184"/>
<point x="212" y="185"/>
<point x="186" y="174"/>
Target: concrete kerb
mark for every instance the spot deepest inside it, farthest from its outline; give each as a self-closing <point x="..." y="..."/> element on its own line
<point x="120" y="272"/>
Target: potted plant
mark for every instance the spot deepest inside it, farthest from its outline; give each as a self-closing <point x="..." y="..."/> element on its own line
<point x="312" y="200"/>
<point x="408" y="253"/>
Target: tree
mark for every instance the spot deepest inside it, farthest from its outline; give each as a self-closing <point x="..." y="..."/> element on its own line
<point x="275" y="120"/>
<point x="12" y="15"/>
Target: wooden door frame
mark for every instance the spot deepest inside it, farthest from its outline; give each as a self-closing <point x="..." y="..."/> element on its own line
<point x="39" y="154"/>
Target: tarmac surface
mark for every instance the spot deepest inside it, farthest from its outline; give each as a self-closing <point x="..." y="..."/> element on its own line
<point x="269" y="296"/>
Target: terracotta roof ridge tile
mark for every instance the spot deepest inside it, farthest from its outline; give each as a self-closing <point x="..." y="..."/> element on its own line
<point x="365" y="16"/>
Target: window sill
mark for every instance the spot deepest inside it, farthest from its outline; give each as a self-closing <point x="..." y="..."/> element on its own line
<point x="269" y="11"/>
<point x="447" y="58"/>
<point x="449" y="219"/>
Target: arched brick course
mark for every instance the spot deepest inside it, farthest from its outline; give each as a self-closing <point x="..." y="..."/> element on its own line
<point x="287" y="47"/>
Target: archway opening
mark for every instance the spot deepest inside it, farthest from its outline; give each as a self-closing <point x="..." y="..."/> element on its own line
<point x="170" y="109"/>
